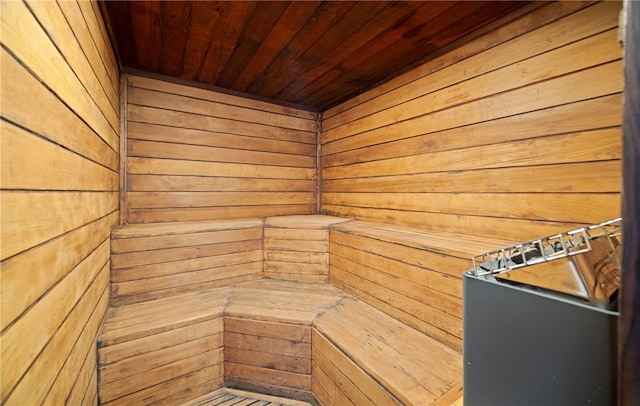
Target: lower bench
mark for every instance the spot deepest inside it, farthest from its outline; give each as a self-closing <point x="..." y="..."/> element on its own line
<point x="306" y="341"/>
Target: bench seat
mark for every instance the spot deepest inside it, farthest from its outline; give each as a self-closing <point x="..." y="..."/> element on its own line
<point x="149" y="352"/>
<point x="380" y="360"/>
<point x="195" y="308"/>
<point x="414" y="275"/>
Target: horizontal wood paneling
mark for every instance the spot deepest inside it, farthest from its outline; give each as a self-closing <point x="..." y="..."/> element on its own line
<point x="517" y="138"/>
<point x="156" y="260"/>
<point x="297" y="247"/>
<point x="194" y="154"/>
<point x="59" y="123"/>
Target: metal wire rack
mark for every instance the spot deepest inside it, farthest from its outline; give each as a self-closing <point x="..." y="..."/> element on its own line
<point x="544" y="249"/>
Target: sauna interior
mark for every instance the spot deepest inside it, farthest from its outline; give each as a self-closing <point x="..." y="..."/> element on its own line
<point x="259" y="203"/>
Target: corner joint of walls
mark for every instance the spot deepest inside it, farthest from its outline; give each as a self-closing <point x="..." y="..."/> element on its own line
<point x="123" y="185"/>
<point x="318" y="163"/>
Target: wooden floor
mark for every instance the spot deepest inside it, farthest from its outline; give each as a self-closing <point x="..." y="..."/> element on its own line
<point x="233" y="397"/>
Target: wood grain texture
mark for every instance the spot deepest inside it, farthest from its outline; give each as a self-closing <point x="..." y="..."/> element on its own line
<point x="315" y="54"/>
<point x="59" y="123"/>
<point x="546" y="111"/>
<point x="199" y="155"/>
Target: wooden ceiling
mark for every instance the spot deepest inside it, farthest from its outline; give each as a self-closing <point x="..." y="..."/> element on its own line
<point x="315" y="54"/>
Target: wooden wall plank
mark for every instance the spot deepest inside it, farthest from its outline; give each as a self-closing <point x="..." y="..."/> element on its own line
<point x="59" y="120"/>
<point x="216" y="156"/>
<point x="446" y="146"/>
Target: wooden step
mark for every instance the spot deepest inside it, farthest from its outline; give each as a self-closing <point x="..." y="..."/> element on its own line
<point x="267" y="341"/>
<point x="152" y="261"/>
<point x="297" y="247"/>
<point x="414" y="275"/>
<point x="387" y="361"/>
<point x="163" y="349"/>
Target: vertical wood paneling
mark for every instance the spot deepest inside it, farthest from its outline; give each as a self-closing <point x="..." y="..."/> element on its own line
<point x="59" y="123"/>
<point x="470" y="142"/>
<point x="194" y="154"/>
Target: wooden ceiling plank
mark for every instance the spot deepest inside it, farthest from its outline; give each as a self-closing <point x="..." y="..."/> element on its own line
<point x="146" y="28"/>
<point x="344" y="28"/>
<point x="294" y="18"/>
<point x="257" y="28"/>
<point x="176" y="20"/>
<point x="392" y="33"/>
<point x="234" y="17"/>
<point x="121" y="26"/>
<point x="312" y="30"/>
<point x="451" y="25"/>
<point x="205" y="17"/>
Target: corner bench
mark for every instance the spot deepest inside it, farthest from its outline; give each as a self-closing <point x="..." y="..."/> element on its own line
<point x="385" y="331"/>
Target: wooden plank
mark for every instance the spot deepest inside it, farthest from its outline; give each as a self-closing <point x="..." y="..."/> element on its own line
<point x="533" y="179"/>
<point x="166" y="229"/>
<point x="154" y="132"/>
<point x="599" y="145"/>
<point x="295" y="234"/>
<point x="317" y="258"/>
<point x="268" y="376"/>
<point x="441" y="94"/>
<point x="61" y="126"/>
<point x="600" y="112"/>
<point x="566" y="207"/>
<point x="431" y="297"/>
<point x="73" y="38"/>
<point x="174" y="118"/>
<point x="267" y="344"/>
<point x="516" y="41"/>
<point x="54" y="368"/>
<point x="325" y="391"/>
<point x="37" y="52"/>
<point x="503" y="229"/>
<point x="272" y="390"/>
<point x="126" y="260"/>
<point x="414" y="383"/>
<point x="208" y="213"/>
<point x="152" y="149"/>
<point x="31" y="218"/>
<point x="136" y="364"/>
<point x="303" y="222"/>
<point x="214" y="199"/>
<point x="157" y="183"/>
<point x="133" y="384"/>
<point x="28" y="159"/>
<point x="20" y="289"/>
<point x="296" y="245"/>
<point x="442" y="279"/>
<point x="151" y="242"/>
<point x="439" y="326"/>
<point x="362" y="389"/>
<point x="221" y="169"/>
<point x="189" y="281"/>
<point x="205" y="380"/>
<point x="291" y="332"/>
<point x="23" y="341"/>
<point x="218" y="97"/>
<point x="189" y="265"/>
<point x="168" y="101"/>
<point x="262" y="359"/>
<point x="139" y="320"/>
<point x="117" y="352"/>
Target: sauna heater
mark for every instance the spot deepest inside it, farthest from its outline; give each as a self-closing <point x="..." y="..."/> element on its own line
<point x="540" y="321"/>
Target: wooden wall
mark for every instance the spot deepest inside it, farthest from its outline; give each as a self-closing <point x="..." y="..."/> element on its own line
<point x="196" y="154"/>
<point x="515" y="135"/>
<point x="59" y="125"/>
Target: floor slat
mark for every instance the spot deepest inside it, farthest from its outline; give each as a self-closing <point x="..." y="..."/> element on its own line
<point x="234" y="397"/>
